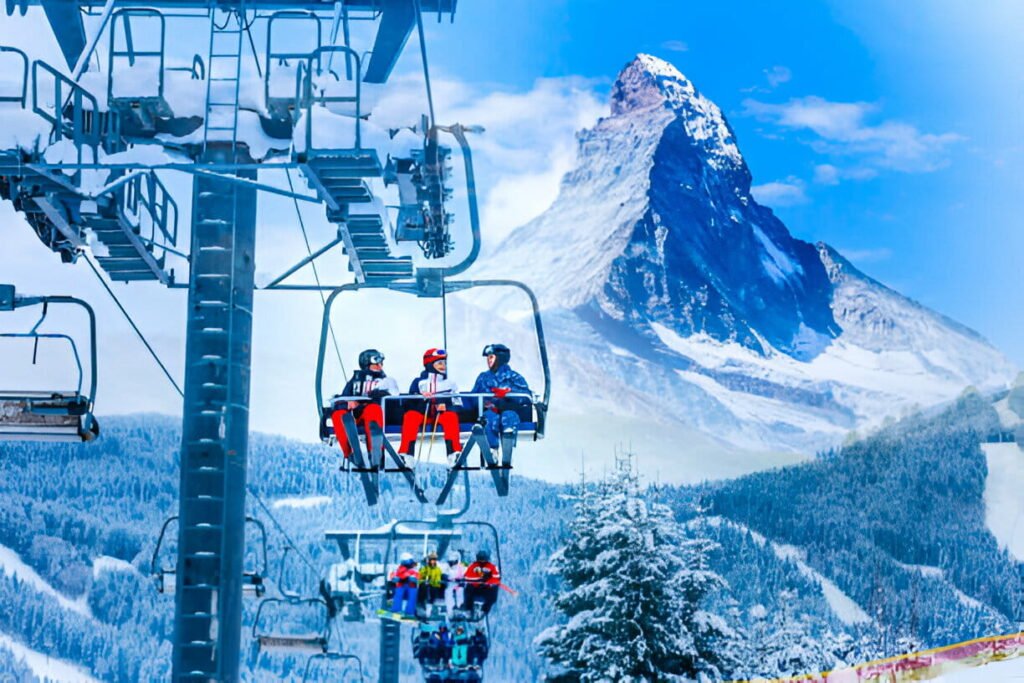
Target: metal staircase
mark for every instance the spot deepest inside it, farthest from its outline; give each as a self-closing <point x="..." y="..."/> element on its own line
<point x="224" y="68"/>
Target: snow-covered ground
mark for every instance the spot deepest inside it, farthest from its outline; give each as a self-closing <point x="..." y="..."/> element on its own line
<point x="12" y="565"/>
<point x="1004" y="505"/>
<point x="105" y="563"/>
<point x="301" y="503"/>
<point x="1006" y="670"/>
<point x="44" y="667"/>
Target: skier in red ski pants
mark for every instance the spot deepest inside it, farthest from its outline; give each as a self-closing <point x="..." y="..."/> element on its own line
<point x="433" y="383"/>
<point x="369" y="381"/>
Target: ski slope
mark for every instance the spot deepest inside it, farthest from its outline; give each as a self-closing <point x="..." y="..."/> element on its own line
<point x="12" y="565"/>
<point x="1004" y="506"/>
<point x="46" y="668"/>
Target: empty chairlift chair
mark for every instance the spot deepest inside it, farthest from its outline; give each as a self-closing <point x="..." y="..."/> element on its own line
<point x="253" y="579"/>
<point x="63" y="414"/>
<point x="285" y="638"/>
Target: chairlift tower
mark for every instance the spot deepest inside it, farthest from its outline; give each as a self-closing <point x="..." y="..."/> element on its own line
<point x="134" y="219"/>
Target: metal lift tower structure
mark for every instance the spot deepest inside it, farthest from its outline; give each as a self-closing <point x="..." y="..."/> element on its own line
<point x="221" y="257"/>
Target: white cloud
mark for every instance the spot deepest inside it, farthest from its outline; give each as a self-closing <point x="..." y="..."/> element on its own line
<point x="788" y="192"/>
<point x="777" y="75"/>
<point x="528" y="145"/>
<point x="843" y="129"/>
<point x="675" y="46"/>
<point x="827" y="174"/>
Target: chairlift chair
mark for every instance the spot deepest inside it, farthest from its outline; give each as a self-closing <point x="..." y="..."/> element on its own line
<point x="285" y="641"/>
<point x="426" y="187"/>
<point x="253" y="580"/>
<point x="399" y="536"/>
<point x="332" y="657"/>
<point x="63" y="415"/>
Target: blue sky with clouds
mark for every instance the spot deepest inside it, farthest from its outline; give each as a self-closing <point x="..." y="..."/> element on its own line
<point x="891" y="130"/>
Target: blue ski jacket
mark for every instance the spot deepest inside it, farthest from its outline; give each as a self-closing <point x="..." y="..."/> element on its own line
<point x="504" y="376"/>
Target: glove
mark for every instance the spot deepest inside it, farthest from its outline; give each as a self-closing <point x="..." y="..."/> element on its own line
<point x="500" y="392"/>
<point x="378" y="394"/>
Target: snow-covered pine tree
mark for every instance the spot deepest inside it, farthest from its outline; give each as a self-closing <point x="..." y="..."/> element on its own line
<point x="632" y="588"/>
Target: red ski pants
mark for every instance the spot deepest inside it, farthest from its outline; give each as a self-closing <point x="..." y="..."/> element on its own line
<point x="371" y="413"/>
<point x="413" y="421"/>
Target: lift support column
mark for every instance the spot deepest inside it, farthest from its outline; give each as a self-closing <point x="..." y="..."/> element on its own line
<point x="208" y="602"/>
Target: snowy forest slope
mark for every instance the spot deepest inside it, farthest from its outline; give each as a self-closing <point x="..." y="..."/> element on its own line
<point x="871" y="549"/>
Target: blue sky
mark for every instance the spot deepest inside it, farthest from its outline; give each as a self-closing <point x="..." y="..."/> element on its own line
<point x="891" y="130"/>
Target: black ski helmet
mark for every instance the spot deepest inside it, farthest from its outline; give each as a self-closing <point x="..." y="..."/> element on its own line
<point x="483" y="555"/>
<point x="370" y="357"/>
<point x="501" y="352"/>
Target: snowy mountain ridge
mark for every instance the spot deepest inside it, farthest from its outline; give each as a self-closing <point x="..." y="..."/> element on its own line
<point x="672" y="285"/>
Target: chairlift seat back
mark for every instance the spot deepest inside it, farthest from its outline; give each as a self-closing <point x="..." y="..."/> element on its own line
<point x="311" y="643"/>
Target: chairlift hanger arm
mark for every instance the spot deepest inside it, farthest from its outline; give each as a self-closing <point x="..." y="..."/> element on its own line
<point x="458" y="131"/>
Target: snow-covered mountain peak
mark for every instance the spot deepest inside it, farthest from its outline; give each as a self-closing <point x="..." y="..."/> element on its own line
<point x="667" y="280"/>
<point x="648" y="81"/>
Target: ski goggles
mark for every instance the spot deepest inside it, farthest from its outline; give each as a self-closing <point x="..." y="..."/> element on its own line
<point x="489" y="350"/>
<point x="376" y="359"/>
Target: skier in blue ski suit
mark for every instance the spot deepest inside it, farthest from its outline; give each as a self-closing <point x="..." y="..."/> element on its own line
<point x="499" y="379"/>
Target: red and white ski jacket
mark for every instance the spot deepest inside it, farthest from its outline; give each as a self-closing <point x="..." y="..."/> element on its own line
<point x="484" y="573"/>
<point x="405" y="575"/>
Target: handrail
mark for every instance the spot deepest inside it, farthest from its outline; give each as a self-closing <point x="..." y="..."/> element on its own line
<point x="20" y="99"/>
<point x="308" y="100"/>
<point x="130" y="52"/>
<point x="78" y="130"/>
<point x="158" y="203"/>
<point x="271" y="55"/>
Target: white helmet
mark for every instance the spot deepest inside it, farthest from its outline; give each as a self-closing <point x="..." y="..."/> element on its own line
<point x="406" y="557"/>
<point x="454" y="556"/>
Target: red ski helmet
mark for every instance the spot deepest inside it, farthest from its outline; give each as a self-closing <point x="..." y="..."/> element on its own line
<point x="431" y="356"/>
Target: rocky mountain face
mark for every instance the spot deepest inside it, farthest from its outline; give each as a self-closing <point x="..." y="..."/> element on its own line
<point x="671" y="285"/>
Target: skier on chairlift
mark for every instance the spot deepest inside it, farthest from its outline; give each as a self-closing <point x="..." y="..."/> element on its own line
<point x="499" y="380"/>
<point x="406" y="580"/>
<point x="455" y="582"/>
<point x="430" y="580"/>
<point x="440" y="408"/>
<point x="478" y="648"/>
<point x="369" y="381"/>
<point x="482" y="581"/>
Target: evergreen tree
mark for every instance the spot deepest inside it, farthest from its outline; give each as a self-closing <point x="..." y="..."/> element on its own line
<point x="633" y="585"/>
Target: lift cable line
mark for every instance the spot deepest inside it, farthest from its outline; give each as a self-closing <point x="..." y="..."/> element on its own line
<point x="312" y="262"/>
<point x="138" y="332"/>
